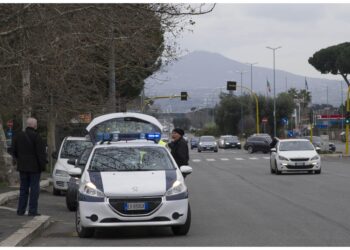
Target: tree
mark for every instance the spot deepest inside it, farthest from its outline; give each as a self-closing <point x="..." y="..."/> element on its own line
<point x="334" y="60"/>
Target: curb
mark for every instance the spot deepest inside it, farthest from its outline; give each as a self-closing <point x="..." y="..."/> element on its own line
<point x="5" y="197"/>
<point x="32" y="228"/>
<point x="24" y="235"/>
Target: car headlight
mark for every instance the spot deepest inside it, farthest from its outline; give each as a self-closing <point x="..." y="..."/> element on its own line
<point x="177" y="188"/>
<point x="90" y="189"/>
<point x="282" y="158"/>
<point x="215" y="144"/>
<point x="61" y="173"/>
<point x="238" y="143"/>
<point x="200" y="144"/>
<point x="315" y="158"/>
<point x="227" y="143"/>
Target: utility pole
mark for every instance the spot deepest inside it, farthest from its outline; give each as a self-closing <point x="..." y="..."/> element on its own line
<point x="274" y="90"/>
<point x="342" y="103"/>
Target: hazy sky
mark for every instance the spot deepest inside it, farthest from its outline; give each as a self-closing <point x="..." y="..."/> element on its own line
<point x="242" y="32"/>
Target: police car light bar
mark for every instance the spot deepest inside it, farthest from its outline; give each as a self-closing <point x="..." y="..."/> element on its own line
<point x="103" y="137"/>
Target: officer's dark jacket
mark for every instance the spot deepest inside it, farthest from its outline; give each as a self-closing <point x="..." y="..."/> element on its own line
<point x="179" y="150"/>
<point x="29" y="151"/>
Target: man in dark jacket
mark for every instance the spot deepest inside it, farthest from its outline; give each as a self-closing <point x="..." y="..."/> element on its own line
<point x="29" y="153"/>
<point x="179" y="147"/>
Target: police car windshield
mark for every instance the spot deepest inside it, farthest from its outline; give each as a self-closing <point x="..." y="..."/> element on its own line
<point x="74" y="148"/>
<point x="130" y="159"/>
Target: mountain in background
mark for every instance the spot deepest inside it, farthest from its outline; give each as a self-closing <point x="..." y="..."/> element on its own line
<point x="204" y="74"/>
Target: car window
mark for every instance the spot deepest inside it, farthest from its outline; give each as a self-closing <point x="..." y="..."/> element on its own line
<point x="84" y="157"/>
<point x="207" y="139"/>
<point x="130" y="159"/>
<point x="295" y="146"/>
<point x="74" y="148"/>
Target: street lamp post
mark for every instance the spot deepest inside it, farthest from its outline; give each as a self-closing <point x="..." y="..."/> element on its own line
<point x="241" y="72"/>
<point x="251" y="74"/>
<point x="274" y="89"/>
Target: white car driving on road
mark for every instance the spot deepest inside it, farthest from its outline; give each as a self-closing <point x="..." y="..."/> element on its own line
<point x="291" y="155"/>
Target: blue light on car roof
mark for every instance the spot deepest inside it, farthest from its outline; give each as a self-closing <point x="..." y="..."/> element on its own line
<point x="114" y="136"/>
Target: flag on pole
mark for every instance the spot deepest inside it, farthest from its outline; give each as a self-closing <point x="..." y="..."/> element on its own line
<point x="306" y="86"/>
<point x="268" y="86"/>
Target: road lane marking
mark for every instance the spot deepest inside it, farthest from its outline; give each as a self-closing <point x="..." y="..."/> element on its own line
<point x="210" y="159"/>
<point x="266" y="158"/>
<point x="239" y="159"/>
<point x="253" y="158"/>
<point x="196" y="160"/>
<point x="224" y="159"/>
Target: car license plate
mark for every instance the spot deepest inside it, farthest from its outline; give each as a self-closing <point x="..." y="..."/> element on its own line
<point x="300" y="164"/>
<point x="132" y="206"/>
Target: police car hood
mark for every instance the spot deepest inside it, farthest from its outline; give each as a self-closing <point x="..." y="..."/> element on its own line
<point x="137" y="183"/>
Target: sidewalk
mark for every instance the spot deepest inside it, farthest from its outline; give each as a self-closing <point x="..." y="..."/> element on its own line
<point x="19" y="230"/>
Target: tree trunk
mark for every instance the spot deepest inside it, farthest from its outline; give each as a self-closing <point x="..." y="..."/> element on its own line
<point x="111" y="73"/>
<point x="51" y="133"/>
<point x="26" y="112"/>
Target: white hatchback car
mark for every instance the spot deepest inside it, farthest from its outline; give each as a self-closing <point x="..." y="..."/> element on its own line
<point x="71" y="148"/>
<point x="132" y="183"/>
<point x="291" y="155"/>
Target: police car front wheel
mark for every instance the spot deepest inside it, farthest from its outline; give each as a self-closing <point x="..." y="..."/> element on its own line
<point x="83" y="232"/>
<point x="183" y="229"/>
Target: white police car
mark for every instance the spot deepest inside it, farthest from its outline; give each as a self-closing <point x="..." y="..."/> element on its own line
<point x="131" y="181"/>
<point x="71" y="147"/>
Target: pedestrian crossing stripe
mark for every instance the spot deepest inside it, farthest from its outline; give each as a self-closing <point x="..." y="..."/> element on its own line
<point x="239" y="159"/>
<point x="196" y="160"/>
<point x="253" y="158"/>
<point x="224" y="159"/>
<point x="267" y="158"/>
<point x="210" y="159"/>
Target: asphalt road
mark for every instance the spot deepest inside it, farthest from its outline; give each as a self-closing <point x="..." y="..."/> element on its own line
<point x="235" y="201"/>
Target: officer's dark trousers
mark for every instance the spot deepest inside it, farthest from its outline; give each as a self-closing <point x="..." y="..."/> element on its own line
<point x="29" y="187"/>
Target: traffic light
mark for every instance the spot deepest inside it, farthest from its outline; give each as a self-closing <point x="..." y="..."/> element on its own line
<point x="183" y="96"/>
<point x="347" y="118"/>
<point x="231" y="85"/>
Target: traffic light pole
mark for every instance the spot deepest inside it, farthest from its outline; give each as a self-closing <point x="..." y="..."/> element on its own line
<point x="347" y="125"/>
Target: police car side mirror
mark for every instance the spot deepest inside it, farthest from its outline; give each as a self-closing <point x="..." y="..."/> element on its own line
<point x="273" y="150"/>
<point x="185" y="170"/>
<point x="72" y="162"/>
<point x="75" y="172"/>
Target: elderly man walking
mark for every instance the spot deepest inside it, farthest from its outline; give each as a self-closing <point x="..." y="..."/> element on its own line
<point x="30" y="155"/>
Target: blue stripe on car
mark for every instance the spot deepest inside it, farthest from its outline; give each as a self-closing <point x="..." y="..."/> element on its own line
<point x="176" y="197"/>
<point x="170" y="178"/>
<point x="88" y="198"/>
<point x="95" y="178"/>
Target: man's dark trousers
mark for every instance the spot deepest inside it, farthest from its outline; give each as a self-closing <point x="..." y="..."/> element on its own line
<point x="30" y="186"/>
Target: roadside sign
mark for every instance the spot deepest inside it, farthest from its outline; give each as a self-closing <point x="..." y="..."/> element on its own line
<point x="9" y="133"/>
<point x="264" y="120"/>
<point x="290" y="133"/>
<point x="285" y="121"/>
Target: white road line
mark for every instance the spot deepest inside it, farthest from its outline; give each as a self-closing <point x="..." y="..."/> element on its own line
<point x="196" y="160"/>
<point x="266" y="158"/>
<point x="239" y="159"/>
<point x="210" y="159"/>
<point x="253" y="158"/>
<point x="224" y="159"/>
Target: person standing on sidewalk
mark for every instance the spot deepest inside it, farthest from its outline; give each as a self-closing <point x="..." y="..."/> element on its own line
<point x="30" y="154"/>
<point x="179" y="147"/>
